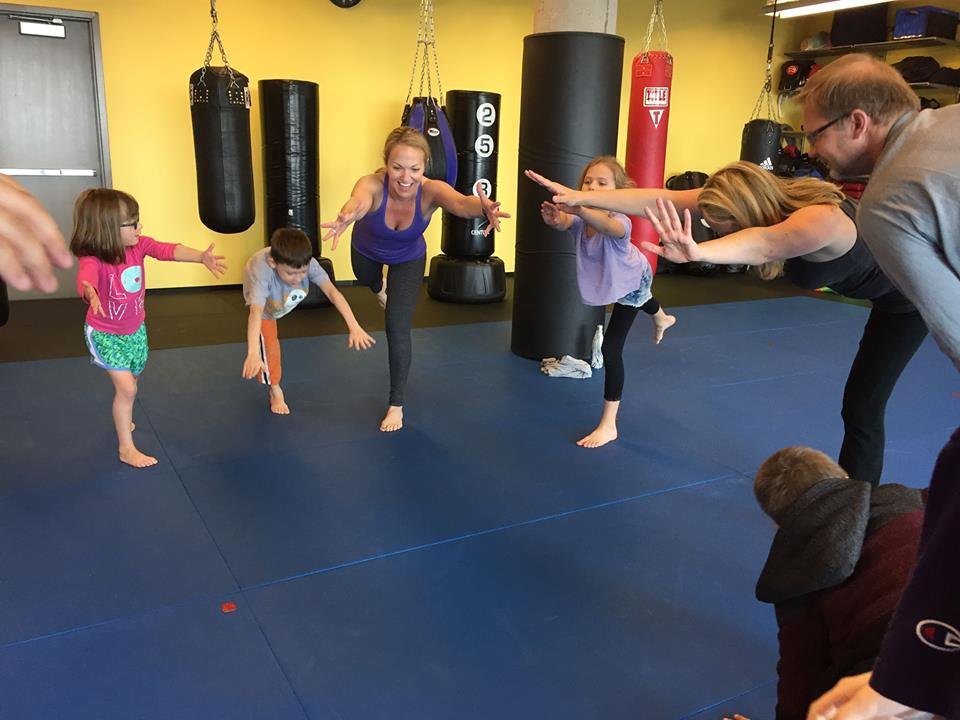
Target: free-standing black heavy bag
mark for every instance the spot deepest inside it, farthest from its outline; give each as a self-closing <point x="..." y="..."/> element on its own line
<point x="561" y="72"/>
<point x="289" y="123"/>
<point x="289" y="120"/>
<point x="220" y="110"/>
<point x="474" y="121"/>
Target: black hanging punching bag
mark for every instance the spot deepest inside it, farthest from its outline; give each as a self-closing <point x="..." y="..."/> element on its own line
<point x="220" y="110"/>
<point x="426" y="115"/>
<point x="760" y="143"/>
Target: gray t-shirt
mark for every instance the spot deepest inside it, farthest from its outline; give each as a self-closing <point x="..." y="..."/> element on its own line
<point x="910" y="218"/>
<point x="262" y="285"/>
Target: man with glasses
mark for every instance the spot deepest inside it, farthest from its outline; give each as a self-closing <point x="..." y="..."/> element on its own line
<point x="866" y="120"/>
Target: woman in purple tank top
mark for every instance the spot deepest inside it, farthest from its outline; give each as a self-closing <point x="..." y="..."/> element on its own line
<point x="390" y="209"/>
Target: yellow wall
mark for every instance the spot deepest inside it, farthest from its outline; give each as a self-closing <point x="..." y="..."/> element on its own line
<point x="361" y="59"/>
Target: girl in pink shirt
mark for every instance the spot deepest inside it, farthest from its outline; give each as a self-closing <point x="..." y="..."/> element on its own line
<point x="107" y="240"/>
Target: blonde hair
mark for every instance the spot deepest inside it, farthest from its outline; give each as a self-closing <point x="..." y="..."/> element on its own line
<point x="787" y="474"/>
<point x="859" y="81"/>
<point x="97" y="215"/>
<point x="411" y="137"/>
<point x="746" y="195"/>
<point x="620" y="177"/>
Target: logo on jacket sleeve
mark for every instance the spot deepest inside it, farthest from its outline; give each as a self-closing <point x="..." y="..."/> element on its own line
<point x="938" y="635"/>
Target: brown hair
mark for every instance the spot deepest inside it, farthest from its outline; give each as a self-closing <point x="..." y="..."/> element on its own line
<point x="620" y="177"/>
<point x="291" y="247"/>
<point x="97" y="214"/>
<point x="787" y="474"/>
<point x="859" y="81"/>
<point x="408" y="136"/>
<point x="746" y="195"/>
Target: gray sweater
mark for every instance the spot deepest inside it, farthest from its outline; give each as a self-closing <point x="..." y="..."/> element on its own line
<point x="910" y="218"/>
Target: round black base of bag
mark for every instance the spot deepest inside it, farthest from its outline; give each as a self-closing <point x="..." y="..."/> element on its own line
<point x="4" y="304"/>
<point x="699" y="269"/>
<point x="315" y="298"/>
<point x="467" y="281"/>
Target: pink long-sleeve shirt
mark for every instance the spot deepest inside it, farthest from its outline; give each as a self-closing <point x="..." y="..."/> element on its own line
<point x="121" y="286"/>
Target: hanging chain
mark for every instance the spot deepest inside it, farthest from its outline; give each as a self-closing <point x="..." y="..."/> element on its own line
<point x="433" y="49"/>
<point x="657" y="22"/>
<point x="425" y="50"/>
<point x="766" y="90"/>
<point x="215" y="38"/>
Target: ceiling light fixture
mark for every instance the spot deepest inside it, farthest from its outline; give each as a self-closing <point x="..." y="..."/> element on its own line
<point x="798" y="8"/>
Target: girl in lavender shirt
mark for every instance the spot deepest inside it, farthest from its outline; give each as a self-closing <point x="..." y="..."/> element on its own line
<point x="610" y="269"/>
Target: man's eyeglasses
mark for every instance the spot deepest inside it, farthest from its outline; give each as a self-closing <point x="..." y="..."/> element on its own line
<point x="132" y="223"/>
<point x="811" y="137"/>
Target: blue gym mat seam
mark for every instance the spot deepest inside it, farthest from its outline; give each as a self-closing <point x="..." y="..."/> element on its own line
<point x="226" y="564"/>
<point x="276" y="659"/>
<point x="488" y="531"/>
<point x="762" y="379"/>
<point x="726" y="700"/>
<point x="242" y="591"/>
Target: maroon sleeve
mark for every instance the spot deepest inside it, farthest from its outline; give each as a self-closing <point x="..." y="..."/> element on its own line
<point x="804" y="656"/>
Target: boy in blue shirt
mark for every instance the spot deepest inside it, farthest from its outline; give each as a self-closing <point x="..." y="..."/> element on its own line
<point x="275" y="281"/>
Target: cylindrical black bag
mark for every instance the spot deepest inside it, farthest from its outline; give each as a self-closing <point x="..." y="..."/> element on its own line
<point x="760" y="143"/>
<point x="290" y="124"/>
<point x="475" y="123"/>
<point x="289" y="120"/>
<point x="688" y="181"/>
<point x="220" y="110"/>
<point x="426" y="115"/>
<point x="563" y="72"/>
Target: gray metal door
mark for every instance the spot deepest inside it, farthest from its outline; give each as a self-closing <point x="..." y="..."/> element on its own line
<point x="53" y="131"/>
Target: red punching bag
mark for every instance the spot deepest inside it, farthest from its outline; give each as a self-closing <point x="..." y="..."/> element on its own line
<point x="651" y="80"/>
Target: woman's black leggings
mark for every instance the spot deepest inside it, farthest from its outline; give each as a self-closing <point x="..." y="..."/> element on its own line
<point x="403" y="288"/>
<point x="889" y="341"/>
<point x="621" y="319"/>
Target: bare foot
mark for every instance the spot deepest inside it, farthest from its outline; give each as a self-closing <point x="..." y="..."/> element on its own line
<point x="382" y="295"/>
<point x="661" y="325"/>
<point x="131" y="456"/>
<point x="393" y="420"/>
<point x="599" y="437"/>
<point x="277" y="404"/>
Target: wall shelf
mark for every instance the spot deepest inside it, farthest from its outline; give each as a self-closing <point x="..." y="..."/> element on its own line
<point x="878" y="47"/>
<point x="933" y="86"/>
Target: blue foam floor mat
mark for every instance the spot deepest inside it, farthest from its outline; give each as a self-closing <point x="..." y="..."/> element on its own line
<point x="475" y="564"/>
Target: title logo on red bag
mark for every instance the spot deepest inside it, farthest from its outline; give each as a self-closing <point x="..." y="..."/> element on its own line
<point x="939" y="635"/>
<point x="656" y="96"/>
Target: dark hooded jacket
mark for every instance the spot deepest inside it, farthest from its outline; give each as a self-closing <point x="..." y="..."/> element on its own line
<point x="836" y="570"/>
